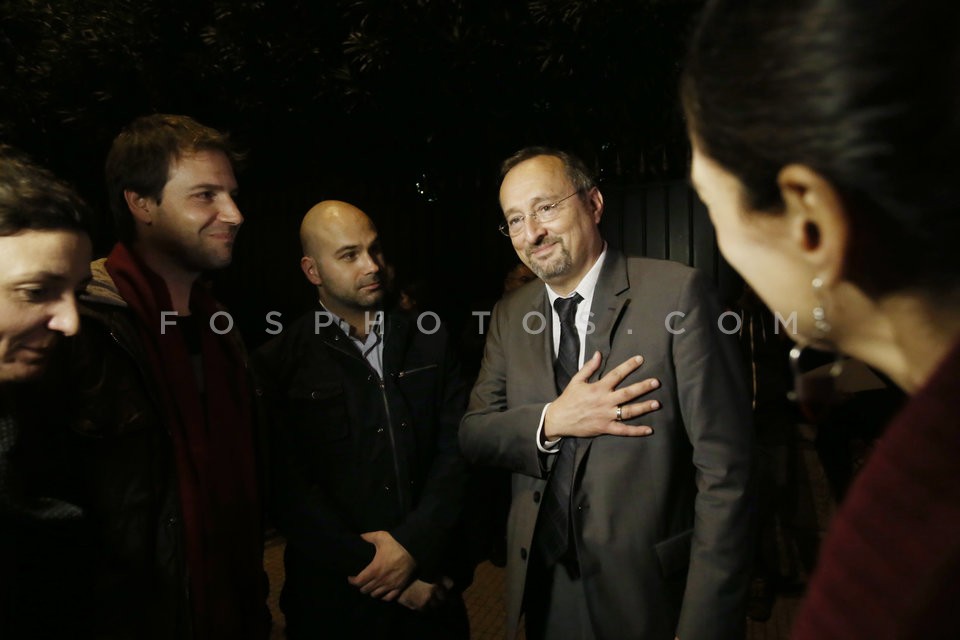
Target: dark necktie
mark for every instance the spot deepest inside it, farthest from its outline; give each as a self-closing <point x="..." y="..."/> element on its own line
<point x="554" y="533"/>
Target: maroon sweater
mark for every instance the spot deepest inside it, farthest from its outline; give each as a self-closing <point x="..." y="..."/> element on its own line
<point x="890" y="566"/>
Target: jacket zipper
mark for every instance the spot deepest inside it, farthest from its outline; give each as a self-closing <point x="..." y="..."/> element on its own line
<point x="386" y="407"/>
<point x="393" y="441"/>
<point x="410" y="372"/>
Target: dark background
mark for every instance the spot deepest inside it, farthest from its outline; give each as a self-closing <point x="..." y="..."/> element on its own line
<point x="403" y="107"/>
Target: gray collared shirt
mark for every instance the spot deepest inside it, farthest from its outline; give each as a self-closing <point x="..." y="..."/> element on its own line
<point x="372" y="346"/>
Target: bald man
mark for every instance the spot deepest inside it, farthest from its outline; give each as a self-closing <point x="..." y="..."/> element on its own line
<point x="369" y="474"/>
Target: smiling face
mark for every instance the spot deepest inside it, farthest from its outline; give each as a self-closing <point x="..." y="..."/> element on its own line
<point x="560" y="252"/>
<point x="343" y="259"/>
<point x="41" y="272"/>
<point x="196" y="220"/>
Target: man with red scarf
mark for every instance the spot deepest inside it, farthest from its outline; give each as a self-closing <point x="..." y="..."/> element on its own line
<point x="162" y="401"/>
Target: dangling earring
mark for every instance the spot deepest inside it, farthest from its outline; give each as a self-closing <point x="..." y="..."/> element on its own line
<point x="814" y="385"/>
<point x="819" y="315"/>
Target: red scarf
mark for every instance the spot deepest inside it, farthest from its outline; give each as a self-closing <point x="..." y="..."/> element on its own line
<point x="214" y="448"/>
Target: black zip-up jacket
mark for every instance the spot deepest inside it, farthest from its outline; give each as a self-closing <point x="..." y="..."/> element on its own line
<point x="355" y="453"/>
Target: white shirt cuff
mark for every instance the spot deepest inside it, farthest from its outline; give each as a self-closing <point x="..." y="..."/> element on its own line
<point x="549" y="446"/>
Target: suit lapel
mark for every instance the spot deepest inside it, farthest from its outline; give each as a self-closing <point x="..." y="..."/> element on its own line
<point x="610" y="300"/>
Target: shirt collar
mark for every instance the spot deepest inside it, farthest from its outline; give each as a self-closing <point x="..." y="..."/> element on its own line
<point x="376" y="325"/>
<point x="587" y="284"/>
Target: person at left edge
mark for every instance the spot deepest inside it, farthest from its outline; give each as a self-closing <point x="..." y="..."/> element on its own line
<point x="162" y="405"/>
<point x="44" y="262"/>
<point x="369" y="481"/>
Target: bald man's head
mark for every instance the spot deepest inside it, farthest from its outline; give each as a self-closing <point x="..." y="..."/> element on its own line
<point x="326" y="218"/>
<point x="342" y="257"/>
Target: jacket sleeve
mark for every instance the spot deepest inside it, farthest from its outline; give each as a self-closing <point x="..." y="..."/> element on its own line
<point x="300" y="509"/>
<point x="427" y="530"/>
<point x="715" y="407"/>
<point x="491" y="433"/>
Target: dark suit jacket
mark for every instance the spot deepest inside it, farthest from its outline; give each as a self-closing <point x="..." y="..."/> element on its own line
<point x="660" y="522"/>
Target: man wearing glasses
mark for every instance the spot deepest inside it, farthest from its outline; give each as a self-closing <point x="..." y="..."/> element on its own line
<point x="629" y="517"/>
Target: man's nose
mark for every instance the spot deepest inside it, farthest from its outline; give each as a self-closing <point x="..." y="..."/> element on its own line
<point x="533" y="229"/>
<point x="229" y="212"/>
<point x="371" y="263"/>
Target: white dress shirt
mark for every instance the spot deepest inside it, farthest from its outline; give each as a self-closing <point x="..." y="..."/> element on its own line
<point x="586" y="288"/>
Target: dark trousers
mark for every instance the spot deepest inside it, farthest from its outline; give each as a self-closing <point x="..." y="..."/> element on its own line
<point x="347" y="615"/>
<point x="555" y="604"/>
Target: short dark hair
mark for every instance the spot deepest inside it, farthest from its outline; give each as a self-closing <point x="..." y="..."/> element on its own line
<point x="864" y="93"/>
<point x="32" y="198"/>
<point x="577" y="172"/>
<point x="140" y="157"/>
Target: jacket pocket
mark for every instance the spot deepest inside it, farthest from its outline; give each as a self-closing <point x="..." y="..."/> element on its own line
<point x="417" y="385"/>
<point x="415" y="370"/>
<point x="319" y="409"/>
<point x="674" y="553"/>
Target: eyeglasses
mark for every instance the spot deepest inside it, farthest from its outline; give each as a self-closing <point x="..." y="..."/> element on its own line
<point x="516" y="223"/>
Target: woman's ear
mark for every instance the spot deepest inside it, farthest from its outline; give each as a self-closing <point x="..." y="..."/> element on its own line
<point x="818" y="220"/>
